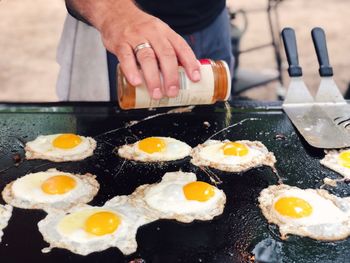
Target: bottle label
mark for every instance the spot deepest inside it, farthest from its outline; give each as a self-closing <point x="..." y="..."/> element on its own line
<point x="190" y="93"/>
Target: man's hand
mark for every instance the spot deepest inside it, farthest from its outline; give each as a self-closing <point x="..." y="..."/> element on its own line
<point x="123" y="27"/>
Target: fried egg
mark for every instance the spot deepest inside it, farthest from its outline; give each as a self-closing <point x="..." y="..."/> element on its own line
<point x="60" y="147"/>
<point x="338" y="161"/>
<point x="231" y="156"/>
<point x="155" y="149"/>
<point x="51" y="189"/>
<point x="181" y="197"/>
<point x="311" y="213"/>
<point x="5" y="215"/>
<point x="86" y="229"/>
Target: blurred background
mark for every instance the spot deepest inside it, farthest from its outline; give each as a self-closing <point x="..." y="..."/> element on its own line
<point x="30" y="31"/>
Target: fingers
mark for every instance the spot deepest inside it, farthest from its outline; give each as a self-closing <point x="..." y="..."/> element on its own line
<point x="149" y="65"/>
<point x="128" y="64"/>
<point x="169" y="67"/>
<point x="147" y="60"/>
<point x="161" y="56"/>
<point x="186" y="57"/>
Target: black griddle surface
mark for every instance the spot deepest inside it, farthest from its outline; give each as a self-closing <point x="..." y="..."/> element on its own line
<point x="240" y="233"/>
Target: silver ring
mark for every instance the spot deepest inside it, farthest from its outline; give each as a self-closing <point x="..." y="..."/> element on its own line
<point x="141" y="46"/>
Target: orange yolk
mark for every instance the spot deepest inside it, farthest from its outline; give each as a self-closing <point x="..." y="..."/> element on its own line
<point x="152" y="145"/>
<point x="66" y="141"/>
<point x="102" y="223"/>
<point x="235" y="149"/>
<point x="293" y="207"/>
<point x="59" y="184"/>
<point x="344" y="159"/>
<point x="198" y="191"/>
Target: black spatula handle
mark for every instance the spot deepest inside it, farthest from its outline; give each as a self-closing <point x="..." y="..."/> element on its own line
<point x="319" y="39"/>
<point x="290" y="46"/>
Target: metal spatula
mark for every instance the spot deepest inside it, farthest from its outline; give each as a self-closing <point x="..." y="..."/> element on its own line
<point x="297" y="91"/>
<point x="298" y="103"/>
<point x="314" y="124"/>
<point x="328" y="95"/>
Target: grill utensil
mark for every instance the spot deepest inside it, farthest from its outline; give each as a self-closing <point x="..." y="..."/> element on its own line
<point x="321" y="121"/>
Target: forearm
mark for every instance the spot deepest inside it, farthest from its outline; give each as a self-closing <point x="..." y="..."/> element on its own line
<point x="96" y="12"/>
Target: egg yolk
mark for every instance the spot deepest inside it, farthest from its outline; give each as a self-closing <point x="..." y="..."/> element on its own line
<point x="152" y="145"/>
<point x="102" y="223"/>
<point x="59" y="184"/>
<point x="66" y="141"/>
<point x="293" y="207"/>
<point x="198" y="191"/>
<point x="235" y="149"/>
<point x="344" y="159"/>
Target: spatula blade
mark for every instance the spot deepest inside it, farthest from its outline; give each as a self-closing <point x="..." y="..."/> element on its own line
<point x="317" y="127"/>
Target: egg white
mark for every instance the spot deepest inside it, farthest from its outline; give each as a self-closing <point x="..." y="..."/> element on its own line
<point x="175" y="150"/>
<point x="167" y="200"/>
<point x="26" y="192"/>
<point x="42" y="148"/>
<point x="332" y="162"/>
<point x="211" y="154"/>
<point x="5" y="215"/>
<point x="329" y="220"/>
<point x="80" y="242"/>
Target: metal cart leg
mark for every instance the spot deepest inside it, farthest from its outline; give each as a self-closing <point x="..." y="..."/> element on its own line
<point x="245" y="79"/>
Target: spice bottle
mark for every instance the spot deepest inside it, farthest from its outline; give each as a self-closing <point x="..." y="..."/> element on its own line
<point x="215" y="85"/>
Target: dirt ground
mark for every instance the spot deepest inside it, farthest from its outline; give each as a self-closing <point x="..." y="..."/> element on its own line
<point x="30" y="30"/>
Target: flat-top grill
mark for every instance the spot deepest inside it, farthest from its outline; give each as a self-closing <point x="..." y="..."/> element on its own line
<point x="231" y="237"/>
